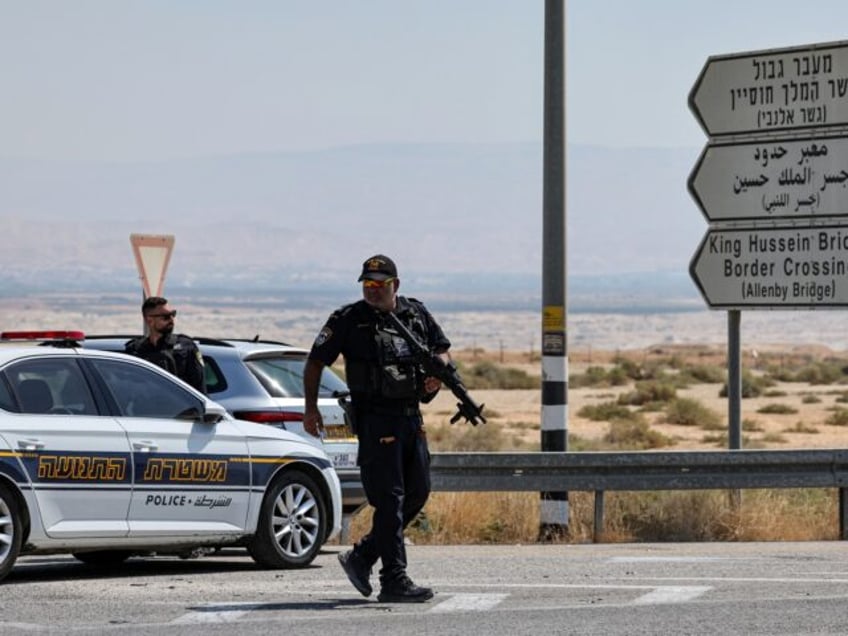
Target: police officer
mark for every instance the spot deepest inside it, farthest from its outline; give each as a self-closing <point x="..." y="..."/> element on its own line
<point x="175" y="353"/>
<point x="386" y="387"/>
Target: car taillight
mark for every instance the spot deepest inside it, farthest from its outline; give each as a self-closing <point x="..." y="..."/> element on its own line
<point x="269" y="417"/>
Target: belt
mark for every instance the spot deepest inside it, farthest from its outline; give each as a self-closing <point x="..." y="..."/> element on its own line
<point x="390" y="410"/>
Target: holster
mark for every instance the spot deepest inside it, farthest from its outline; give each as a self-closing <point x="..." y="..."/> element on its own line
<point x="350" y="414"/>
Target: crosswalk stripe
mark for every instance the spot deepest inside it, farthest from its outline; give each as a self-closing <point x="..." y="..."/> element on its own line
<point x="671" y="594"/>
<point x="469" y="603"/>
<point x="216" y="614"/>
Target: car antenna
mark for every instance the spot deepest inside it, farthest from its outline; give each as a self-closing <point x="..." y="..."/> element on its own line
<point x="256" y="338"/>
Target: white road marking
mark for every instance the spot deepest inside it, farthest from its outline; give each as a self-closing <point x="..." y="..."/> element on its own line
<point x="463" y="602"/>
<point x="672" y="594"/>
<point x="469" y="603"/>
<point x="217" y="613"/>
<point x="667" y="559"/>
<point x="746" y="579"/>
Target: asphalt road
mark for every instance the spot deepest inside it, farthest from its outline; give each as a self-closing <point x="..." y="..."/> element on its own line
<point x="696" y="588"/>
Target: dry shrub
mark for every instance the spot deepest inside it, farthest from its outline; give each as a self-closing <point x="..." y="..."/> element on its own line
<point x="752" y="385"/>
<point x="634" y="435"/>
<point x="674" y="516"/>
<point x="801" y="427"/>
<point x="458" y="518"/>
<point x="465" y="518"/>
<point x="839" y="417"/>
<point x="772" y="438"/>
<point x="777" y="409"/>
<point x="690" y="412"/>
<point x="466" y="438"/>
<point x="607" y="411"/>
<point x="763" y="515"/>
<point x="787" y="515"/>
<point x="703" y="374"/>
<point x="752" y="426"/>
<point x="647" y="392"/>
<point x="488" y="375"/>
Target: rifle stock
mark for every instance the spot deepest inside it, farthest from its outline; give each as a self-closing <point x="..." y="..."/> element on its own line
<point x="445" y="371"/>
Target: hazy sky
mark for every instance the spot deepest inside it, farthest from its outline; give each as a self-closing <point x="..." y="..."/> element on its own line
<point x="156" y="79"/>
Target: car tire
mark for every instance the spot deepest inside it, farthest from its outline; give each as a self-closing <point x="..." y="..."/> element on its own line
<point x="11" y="531"/>
<point x="103" y="558"/>
<point x="292" y="523"/>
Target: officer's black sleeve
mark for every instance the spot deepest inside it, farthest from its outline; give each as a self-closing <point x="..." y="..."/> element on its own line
<point x="194" y="373"/>
<point x="328" y="343"/>
<point x="436" y="338"/>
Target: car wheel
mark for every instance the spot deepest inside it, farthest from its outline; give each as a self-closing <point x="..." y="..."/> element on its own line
<point x="10" y="531"/>
<point x="103" y="558"/>
<point x="292" y="523"/>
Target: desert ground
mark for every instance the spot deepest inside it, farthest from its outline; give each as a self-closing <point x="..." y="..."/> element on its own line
<point x="519" y="411"/>
<point x="511" y="339"/>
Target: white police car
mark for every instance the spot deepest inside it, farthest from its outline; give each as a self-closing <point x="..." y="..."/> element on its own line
<point x="106" y="456"/>
<point x="262" y="381"/>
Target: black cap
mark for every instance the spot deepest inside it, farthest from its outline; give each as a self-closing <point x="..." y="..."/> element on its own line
<point x="378" y="267"/>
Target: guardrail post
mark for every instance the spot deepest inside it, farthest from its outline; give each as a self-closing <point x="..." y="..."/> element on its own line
<point x="843" y="514"/>
<point x="598" y="528"/>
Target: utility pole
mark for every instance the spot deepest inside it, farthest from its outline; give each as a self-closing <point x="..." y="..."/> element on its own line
<point x="554" y="505"/>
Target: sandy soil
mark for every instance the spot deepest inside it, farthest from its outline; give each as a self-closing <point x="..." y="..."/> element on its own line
<point x="508" y="339"/>
<point x="519" y="411"/>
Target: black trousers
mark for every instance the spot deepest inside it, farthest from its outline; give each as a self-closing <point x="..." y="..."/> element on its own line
<point x="394" y="463"/>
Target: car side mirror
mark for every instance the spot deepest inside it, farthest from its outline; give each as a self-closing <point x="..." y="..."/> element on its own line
<point x="214" y="414"/>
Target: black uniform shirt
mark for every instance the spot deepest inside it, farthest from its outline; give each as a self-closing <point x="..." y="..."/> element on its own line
<point x="350" y="331"/>
<point x="175" y="353"/>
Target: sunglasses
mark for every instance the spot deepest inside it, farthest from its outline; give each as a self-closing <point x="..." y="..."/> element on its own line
<point x="167" y="314"/>
<point x="377" y="284"/>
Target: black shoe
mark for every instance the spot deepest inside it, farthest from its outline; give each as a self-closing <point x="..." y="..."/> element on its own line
<point x="357" y="572"/>
<point x="403" y="590"/>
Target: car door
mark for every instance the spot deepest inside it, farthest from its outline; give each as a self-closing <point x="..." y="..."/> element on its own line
<point x="191" y="476"/>
<point x="77" y="459"/>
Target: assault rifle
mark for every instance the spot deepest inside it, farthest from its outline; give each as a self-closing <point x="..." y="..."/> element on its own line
<point x="445" y="371"/>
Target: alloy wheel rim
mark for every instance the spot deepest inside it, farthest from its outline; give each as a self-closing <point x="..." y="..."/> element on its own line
<point x="7" y="530"/>
<point x="296" y="520"/>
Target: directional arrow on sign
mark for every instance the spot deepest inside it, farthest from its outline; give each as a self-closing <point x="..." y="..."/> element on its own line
<point x="773" y="90"/>
<point x="772" y="179"/>
<point x="773" y="268"/>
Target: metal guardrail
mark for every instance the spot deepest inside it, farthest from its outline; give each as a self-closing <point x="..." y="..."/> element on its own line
<point x="645" y="470"/>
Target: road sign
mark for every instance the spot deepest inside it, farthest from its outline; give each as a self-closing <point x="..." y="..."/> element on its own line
<point x="773" y="268"/>
<point x="152" y="254"/>
<point x="773" y="90"/>
<point x="772" y="179"/>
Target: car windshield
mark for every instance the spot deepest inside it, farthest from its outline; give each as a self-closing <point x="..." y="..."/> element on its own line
<point x="282" y="376"/>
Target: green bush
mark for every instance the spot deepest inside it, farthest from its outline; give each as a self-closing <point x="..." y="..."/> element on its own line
<point x="839" y="417"/>
<point x="647" y="392"/>
<point x="822" y="372"/>
<point x="634" y="435"/>
<point x="606" y="411"/>
<point x="487" y="375"/>
<point x="777" y="409"/>
<point x="689" y="412"/>
<point x="703" y="374"/>
<point x="593" y="376"/>
<point x="752" y="385"/>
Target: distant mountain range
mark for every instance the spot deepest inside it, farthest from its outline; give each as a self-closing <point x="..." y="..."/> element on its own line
<point x="464" y="222"/>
